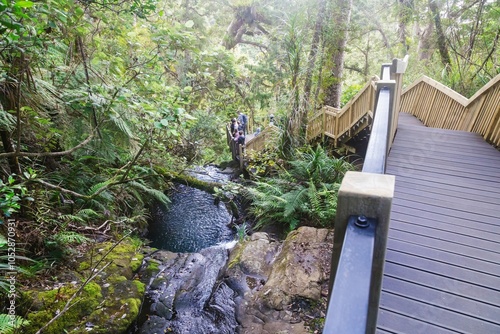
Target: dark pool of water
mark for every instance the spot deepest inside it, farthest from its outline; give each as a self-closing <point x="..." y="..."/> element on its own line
<point x="191" y="222"/>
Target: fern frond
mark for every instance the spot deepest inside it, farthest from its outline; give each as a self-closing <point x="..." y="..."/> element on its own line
<point x="68" y="218"/>
<point x="295" y="201"/>
<point x="7" y="121"/>
<point x="98" y="186"/>
<point x="314" y="199"/>
<point x="68" y="237"/>
<point x="122" y="125"/>
<point x="152" y="193"/>
<point x="10" y="323"/>
<point x="87" y="213"/>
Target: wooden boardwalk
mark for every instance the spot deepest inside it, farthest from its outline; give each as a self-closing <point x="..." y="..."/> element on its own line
<point x="442" y="272"/>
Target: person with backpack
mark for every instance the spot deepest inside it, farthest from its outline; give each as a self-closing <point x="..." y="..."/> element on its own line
<point x="242" y="118"/>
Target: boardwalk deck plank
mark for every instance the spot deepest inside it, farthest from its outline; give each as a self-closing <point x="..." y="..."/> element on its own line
<point x="442" y="272"/>
<point x="453" y="190"/>
<point x="445" y="284"/>
<point x="457" y="226"/>
<point x="457" y="220"/>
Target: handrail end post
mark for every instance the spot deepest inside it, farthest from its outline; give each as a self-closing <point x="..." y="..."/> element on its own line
<point x="370" y="195"/>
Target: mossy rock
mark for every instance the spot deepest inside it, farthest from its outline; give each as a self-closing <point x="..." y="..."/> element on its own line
<point x="108" y="304"/>
<point x="46" y="304"/>
<point x="125" y="258"/>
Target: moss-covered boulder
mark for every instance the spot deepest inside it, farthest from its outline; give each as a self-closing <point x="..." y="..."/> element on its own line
<point x="109" y="303"/>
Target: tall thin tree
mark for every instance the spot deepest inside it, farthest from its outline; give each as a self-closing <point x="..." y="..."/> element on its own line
<point x="341" y="21"/>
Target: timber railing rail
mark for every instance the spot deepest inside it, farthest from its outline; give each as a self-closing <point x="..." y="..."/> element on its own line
<point x="362" y="221"/>
<point x="258" y="143"/>
<point x="344" y="123"/>
<point x="440" y="107"/>
<point x="255" y="143"/>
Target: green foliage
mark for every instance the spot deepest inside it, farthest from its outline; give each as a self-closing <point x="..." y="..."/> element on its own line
<point x="304" y="193"/>
<point x="11" y="195"/>
<point x="102" y="94"/>
<point x="10" y="324"/>
<point x="242" y="231"/>
<point x="68" y="238"/>
<point x="349" y="93"/>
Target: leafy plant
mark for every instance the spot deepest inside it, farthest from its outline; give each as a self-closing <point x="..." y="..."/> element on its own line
<point x="242" y="231"/>
<point x="8" y="323"/>
<point x="303" y="193"/>
<point x="11" y="195"/>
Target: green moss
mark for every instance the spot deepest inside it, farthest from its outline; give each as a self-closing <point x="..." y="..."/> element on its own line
<point x="111" y="302"/>
<point x="84" y="266"/>
<point x="152" y="268"/>
<point x="117" y="279"/>
<point x="141" y="287"/>
<point x="93" y="290"/>
<point x="134" y="305"/>
<point x="53" y="301"/>
<point x="136" y="262"/>
<point x="235" y="257"/>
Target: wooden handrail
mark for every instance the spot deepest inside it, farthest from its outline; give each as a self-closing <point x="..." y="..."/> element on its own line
<point x="341" y="123"/>
<point x="259" y="142"/>
<point x="440" y="107"/>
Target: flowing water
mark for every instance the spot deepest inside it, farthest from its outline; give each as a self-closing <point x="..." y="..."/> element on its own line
<point x="187" y="295"/>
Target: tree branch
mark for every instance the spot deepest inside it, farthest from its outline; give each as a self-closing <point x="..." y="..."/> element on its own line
<point x="47" y="154"/>
<point x="254" y="44"/>
<point x="493" y="48"/>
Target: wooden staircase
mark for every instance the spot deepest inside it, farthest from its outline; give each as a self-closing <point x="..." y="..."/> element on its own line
<point x="343" y="124"/>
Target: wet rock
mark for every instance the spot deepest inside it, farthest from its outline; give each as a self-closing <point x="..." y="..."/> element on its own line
<point x="187" y="296"/>
<point x="282" y="287"/>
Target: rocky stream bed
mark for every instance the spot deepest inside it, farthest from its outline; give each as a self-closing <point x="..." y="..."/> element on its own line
<point x="262" y="285"/>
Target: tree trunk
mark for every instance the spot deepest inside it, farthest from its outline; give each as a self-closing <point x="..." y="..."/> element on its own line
<point x="475" y="30"/>
<point x="9" y="101"/>
<point x="342" y="19"/>
<point x="310" y="67"/>
<point x="404" y="13"/>
<point x="441" y="39"/>
<point x="314" y="52"/>
<point x="247" y="21"/>
<point x="425" y="47"/>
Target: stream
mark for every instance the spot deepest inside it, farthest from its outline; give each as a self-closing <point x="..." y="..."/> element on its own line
<point x="187" y="295"/>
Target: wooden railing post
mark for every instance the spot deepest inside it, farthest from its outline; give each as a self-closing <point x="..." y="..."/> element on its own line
<point x="324" y="124"/>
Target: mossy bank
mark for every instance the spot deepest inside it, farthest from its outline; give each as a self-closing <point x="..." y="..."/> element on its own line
<point x="108" y="303"/>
